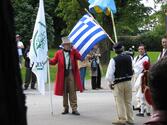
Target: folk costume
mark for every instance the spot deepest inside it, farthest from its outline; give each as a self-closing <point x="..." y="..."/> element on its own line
<point x="119" y="73"/>
<point x="142" y="83"/>
<point x="138" y="68"/>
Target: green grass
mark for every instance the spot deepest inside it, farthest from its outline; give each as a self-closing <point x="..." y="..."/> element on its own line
<point x="153" y="56"/>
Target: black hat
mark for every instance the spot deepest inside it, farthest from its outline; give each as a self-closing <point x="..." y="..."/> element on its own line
<point x="118" y="46"/>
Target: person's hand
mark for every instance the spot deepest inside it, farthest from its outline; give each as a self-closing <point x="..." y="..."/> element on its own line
<point x="98" y="55"/>
<point x="48" y="58"/>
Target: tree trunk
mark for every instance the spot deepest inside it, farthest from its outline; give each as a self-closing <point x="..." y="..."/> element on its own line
<point x="105" y="46"/>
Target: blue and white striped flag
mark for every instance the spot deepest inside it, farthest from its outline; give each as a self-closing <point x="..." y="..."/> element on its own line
<point x="85" y="35"/>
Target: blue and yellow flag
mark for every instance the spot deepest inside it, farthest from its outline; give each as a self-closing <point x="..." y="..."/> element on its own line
<point x="99" y="6"/>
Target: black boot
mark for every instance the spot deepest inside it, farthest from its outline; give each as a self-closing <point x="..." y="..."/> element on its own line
<point x="65" y="112"/>
<point x="136" y="108"/>
<point x="75" y="112"/>
<point x="25" y="87"/>
<point x="140" y="114"/>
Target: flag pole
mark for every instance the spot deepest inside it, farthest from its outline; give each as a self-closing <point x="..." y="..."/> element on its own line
<point x="50" y="92"/>
<point x="100" y="26"/>
<point x="113" y="23"/>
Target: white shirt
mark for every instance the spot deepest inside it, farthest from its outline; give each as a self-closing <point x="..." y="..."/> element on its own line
<point x="138" y="64"/>
<point x="20" y="44"/>
<point x="110" y="71"/>
<point x="67" y="56"/>
<point x="162" y="55"/>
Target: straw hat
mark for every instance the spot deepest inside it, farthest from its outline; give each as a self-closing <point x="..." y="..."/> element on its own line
<point x="65" y="40"/>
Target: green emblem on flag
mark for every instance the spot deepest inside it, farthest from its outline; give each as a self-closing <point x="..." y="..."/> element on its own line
<point x="39" y="38"/>
<point x="39" y="43"/>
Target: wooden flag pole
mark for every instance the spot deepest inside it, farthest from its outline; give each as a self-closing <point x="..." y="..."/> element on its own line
<point x="100" y="26"/>
<point x="50" y="92"/>
<point x="114" y="28"/>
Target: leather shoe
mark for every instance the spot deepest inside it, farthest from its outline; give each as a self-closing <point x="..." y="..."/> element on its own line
<point x="75" y="113"/>
<point x="148" y="114"/>
<point x="100" y="88"/>
<point x="65" y="112"/>
<point x="140" y="114"/>
<point x="138" y="108"/>
<point x="130" y="123"/>
<point x="25" y="88"/>
<point x="119" y="122"/>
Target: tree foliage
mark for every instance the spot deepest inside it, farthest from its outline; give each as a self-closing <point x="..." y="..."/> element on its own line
<point x="70" y="12"/>
<point x="25" y="14"/>
<point x="132" y="19"/>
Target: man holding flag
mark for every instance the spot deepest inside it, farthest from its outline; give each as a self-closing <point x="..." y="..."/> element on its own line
<point x="39" y="49"/>
<point x="67" y="78"/>
<point x="85" y="34"/>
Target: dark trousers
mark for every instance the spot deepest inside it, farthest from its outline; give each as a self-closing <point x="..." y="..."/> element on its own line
<point x="96" y="80"/>
<point x="30" y="78"/>
<point x="99" y="78"/>
<point x="83" y="74"/>
<point x="70" y="92"/>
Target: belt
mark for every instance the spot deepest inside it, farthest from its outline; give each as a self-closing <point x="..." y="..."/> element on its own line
<point x="122" y="79"/>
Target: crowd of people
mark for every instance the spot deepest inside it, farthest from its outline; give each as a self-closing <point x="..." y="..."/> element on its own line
<point x="123" y="80"/>
<point x="151" y="85"/>
<point x="23" y="52"/>
<point x="147" y="83"/>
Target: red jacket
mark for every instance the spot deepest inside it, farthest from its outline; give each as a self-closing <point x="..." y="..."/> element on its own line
<point x="59" y="82"/>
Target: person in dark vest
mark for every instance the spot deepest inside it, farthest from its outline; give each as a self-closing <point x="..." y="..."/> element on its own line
<point x="119" y="75"/>
<point x="164" y="48"/>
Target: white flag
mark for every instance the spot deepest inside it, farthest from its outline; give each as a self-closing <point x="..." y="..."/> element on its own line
<point x="39" y="49"/>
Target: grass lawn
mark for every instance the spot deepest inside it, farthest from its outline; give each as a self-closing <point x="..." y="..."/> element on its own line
<point x="153" y="57"/>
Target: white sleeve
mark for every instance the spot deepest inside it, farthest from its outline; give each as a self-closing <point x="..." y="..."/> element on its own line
<point x="20" y="44"/>
<point x="110" y="71"/>
<point x="159" y="57"/>
<point x="138" y="66"/>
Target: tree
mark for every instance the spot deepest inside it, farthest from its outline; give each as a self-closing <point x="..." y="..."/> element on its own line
<point x="70" y="12"/>
<point x="127" y="13"/>
<point x="25" y="15"/>
<point x="62" y="15"/>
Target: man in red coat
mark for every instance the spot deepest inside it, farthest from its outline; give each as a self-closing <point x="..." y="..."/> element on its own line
<point x="67" y="78"/>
